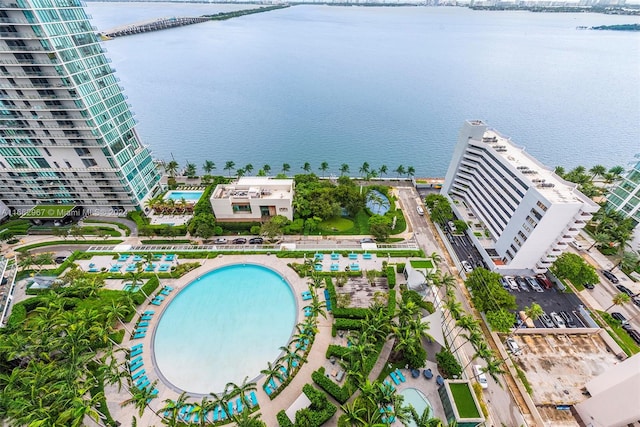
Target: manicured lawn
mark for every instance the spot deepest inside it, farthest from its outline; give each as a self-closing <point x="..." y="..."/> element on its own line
<point x="421" y="263"/>
<point x="620" y="335"/>
<point x="336" y="224"/>
<point x="464" y="400"/>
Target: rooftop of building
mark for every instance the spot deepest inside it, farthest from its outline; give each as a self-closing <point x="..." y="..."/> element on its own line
<point x="255" y="188"/>
<point x="550" y="185"/>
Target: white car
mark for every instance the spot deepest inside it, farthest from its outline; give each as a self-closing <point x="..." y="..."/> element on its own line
<point x="467" y="267"/>
<point x="557" y="320"/>
<point x="512" y="283"/>
<point x="480" y="376"/>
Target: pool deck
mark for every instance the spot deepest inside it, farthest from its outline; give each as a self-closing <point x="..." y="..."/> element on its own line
<point x="268" y="408"/>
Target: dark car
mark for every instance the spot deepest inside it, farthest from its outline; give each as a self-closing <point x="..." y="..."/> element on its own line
<point x="367" y="240"/>
<point x="636" y="301"/>
<point x="609" y="275"/>
<point x="619" y="317"/>
<point x="60" y="259"/>
<point x="568" y="319"/>
<point x="625" y="290"/>
<point x="589" y="285"/>
<point x="546" y="320"/>
<point x="635" y="335"/>
<point x="239" y="241"/>
<point x="256" y="240"/>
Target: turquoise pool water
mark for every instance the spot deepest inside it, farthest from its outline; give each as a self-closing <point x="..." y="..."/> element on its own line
<point x="224" y="326"/>
<point x="189" y="196"/>
<point x="418" y="400"/>
<point x="377" y="202"/>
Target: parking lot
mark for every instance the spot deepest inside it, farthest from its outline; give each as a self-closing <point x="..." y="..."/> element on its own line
<point x="551" y="300"/>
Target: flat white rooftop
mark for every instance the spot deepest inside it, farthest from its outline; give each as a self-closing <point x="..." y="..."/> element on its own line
<point x="550" y="185"/>
<point x="255" y="188"/>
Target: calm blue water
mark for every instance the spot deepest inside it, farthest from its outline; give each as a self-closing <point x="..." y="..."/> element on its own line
<point x="190" y="196"/>
<point x="418" y="400"/>
<point x="224" y="326"/>
<point x="383" y="85"/>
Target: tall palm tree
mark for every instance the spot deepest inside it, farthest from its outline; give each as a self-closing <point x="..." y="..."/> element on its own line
<point x="619" y="299"/>
<point x="273" y="371"/>
<point x="208" y="166"/>
<point x="534" y="311"/>
<point x="411" y="171"/>
<point x="436" y="258"/>
<point x="306" y="167"/>
<point x="400" y="170"/>
<point x="616" y="171"/>
<point x="229" y="166"/>
<point x="291" y="358"/>
<point x="600" y="239"/>
<point x="425" y="419"/>
<point x="172" y="409"/>
<point x="248" y="168"/>
<point x="597" y="170"/>
<point x="140" y="397"/>
<point x="382" y="170"/>
<point x="494" y="368"/>
<point x="201" y="409"/>
<point x="483" y="351"/>
<point x="344" y="169"/>
<point x="266" y="169"/>
<point x="364" y="169"/>
<point x="240" y="173"/>
<point x="286" y="167"/>
<point x="190" y="171"/>
<point x="245" y="419"/>
<point x="628" y="261"/>
<point x="171" y="168"/>
<point x="324" y="166"/>
<point x="354" y="413"/>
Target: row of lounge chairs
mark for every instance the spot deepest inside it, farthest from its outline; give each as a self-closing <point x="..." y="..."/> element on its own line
<point x="335" y="256"/>
<point x="157" y="300"/>
<point x="140" y="330"/>
<point x="189" y="414"/>
<point x="140" y="258"/>
<point x="397" y="377"/>
<point x="137" y="373"/>
<point x="336" y="267"/>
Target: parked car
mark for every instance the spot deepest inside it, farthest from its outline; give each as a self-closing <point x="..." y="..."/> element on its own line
<point x="534" y="284"/>
<point x="636" y="301"/>
<point x="544" y="281"/>
<point x="256" y="240"/>
<point x="589" y="285"/>
<point x="522" y="283"/>
<point x="60" y="259"/>
<point x="467" y="267"/>
<point x="568" y="319"/>
<point x="635" y="335"/>
<point x="367" y="240"/>
<point x="546" y="320"/>
<point x="420" y="210"/>
<point x="557" y="320"/>
<point x="625" y="290"/>
<point x="577" y="245"/>
<point x="512" y="283"/>
<point x="609" y="275"/>
<point x="480" y="376"/>
<point x="504" y="283"/>
<point x="619" y="317"/>
<point x="220" y="241"/>
<point x="239" y="241"/>
<point x="513" y="346"/>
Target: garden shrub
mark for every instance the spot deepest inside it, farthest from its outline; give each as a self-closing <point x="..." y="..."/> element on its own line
<point x="283" y="419"/>
<point x="148" y="288"/>
<point x="391" y="277"/>
<point x="351" y="313"/>
<point x="337" y="351"/>
<point x="400" y="267"/>
<point x="447" y="364"/>
<point x="320" y="409"/>
<point x="391" y="304"/>
<point x="346" y="324"/>
<point x="341" y="394"/>
<point x="18" y="315"/>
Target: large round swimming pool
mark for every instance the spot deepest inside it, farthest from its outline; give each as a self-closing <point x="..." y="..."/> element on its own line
<point x="224" y="326"/>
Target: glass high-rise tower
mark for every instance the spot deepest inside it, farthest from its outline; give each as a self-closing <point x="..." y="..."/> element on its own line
<point x="66" y="132"/>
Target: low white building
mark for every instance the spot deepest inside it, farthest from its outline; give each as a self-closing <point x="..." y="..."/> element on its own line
<point x="253" y="199"/>
<point x="521" y="214"/>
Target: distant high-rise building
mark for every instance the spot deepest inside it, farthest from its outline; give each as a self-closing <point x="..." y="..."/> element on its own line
<point x="625" y="198"/>
<point x="522" y="216"/>
<point x="66" y="132"/>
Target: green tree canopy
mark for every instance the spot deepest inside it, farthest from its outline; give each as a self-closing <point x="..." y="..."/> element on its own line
<point x="575" y="269"/>
<point x="488" y="293"/>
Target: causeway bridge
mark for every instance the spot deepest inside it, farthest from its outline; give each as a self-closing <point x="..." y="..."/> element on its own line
<point x="154" y="25"/>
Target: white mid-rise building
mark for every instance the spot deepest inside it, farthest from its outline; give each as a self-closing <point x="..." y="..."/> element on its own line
<point x="522" y="215"/>
<point x="253" y="199"/>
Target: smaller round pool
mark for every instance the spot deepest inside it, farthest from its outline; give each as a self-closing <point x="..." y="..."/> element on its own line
<point x="377" y="202"/>
<point x="417" y="399"/>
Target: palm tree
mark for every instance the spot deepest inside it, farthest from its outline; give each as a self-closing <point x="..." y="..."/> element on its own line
<point x="317" y="307"/>
<point x="291" y="358"/>
<point x="560" y="171"/>
<point x="266" y="169"/>
<point x="483" y="351"/>
<point x="323" y="167"/>
<point x="628" y="261"/>
<point x="201" y="409"/>
<point x="600" y="239"/>
<point x="494" y="368"/>
<point x="273" y="371"/>
<point x="208" y="166"/>
<point x="240" y="173"/>
<point x="424" y="419"/>
<point x="245" y="419"/>
<point x="411" y="171"/>
<point x="232" y="390"/>
<point x="354" y="413"/>
<point x="171" y="168"/>
<point x="534" y="311"/>
<point x="382" y="170"/>
<point x="306" y="167"/>
<point x="190" y="171"/>
<point x="616" y="171"/>
<point x="344" y="169"/>
<point x="249" y="168"/>
<point x="436" y="258"/>
<point x="364" y="169"/>
<point x="286" y="167"/>
<point x="172" y="408"/>
<point x="597" y="170"/>
<point x="400" y="170"/>
<point x="229" y="166"/>
<point x="619" y="299"/>
<point x="140" y="397"/>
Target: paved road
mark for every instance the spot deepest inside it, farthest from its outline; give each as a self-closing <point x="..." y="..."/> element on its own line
<point x="502" y="408"/>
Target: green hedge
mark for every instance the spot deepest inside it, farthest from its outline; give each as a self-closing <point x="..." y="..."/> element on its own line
<point x="337" y="351"/>
<point x="344" y="324"/>
<point x="67" y="243"/>
<point x="400" y="267"/>
<point x="333" y="297"/>
<point x="351" y="312"/>
<point x="391" y="303"/>
<point x="283" y="419"/>
<point x="148" y="288"/>
<point x="341" y="394"/>
<point x="18" y="314"/>
<point x="319" y="411"/>
<point x="391" y="277"/>
<point x="231" y="227"/>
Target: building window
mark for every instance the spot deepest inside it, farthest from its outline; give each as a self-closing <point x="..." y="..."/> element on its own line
<point x="542" y="206"/>
<point x="241" y="208"/>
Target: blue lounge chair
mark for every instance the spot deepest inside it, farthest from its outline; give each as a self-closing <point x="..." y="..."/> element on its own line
<point x="135" y="367"/>
<point x="135" y="347"/>
<point x="91" y="265"/>
<point x="223" y="414"/>
<point x="306" y="295"/>
<point x="139" y="335"/>
<point x="136" y="360"/>
<point x="186" y="416"/>
<point x="160" y="297"/>
<point x="169" y="257"/>
<point x="355" y="267"/>
<point x="165" y="292"/>
<point x="394" y="377"/>
<point x="138" y="374"/>
<point x="335" y="267"/>
<point x="93" y="270"/>
<point x="353" y="256"/>
<point x="146" y="317"/>
<point x="136" y="352"/>
<point x="114" y="269"/>
<point x="335" y="256"/>
<point x="144" y="385"/>
<point x="307" y="311"/>
<point x="137" y="258"/>
<point x="215" y="414"/>
<point x="141" y="381"/>
<point x="196" y="418"/>
<point x="149" y="312"/>
<point x="150" y="267"/>
<point x="157" y="256"/>
<point x="285" y="372"/>
<point x="239" y="407"/>
<point x="156" y="301"/>
<point x="230" y="408"/>
<point x="388" y="384"/>
<point x="123" y="258"/>
<point x="317" y="267"/>
<point x="143" y="323"/>
<point x="399" y="374"/>
<point x="272" y="384"/>
<point x="366" y="256"/>
<point x="140" y="329"/>
<point x="319" y="256"/>
<point x="168" y="287"/>
<point x="130" y="268"/>
<point x="268" y="389"/>
<point x="164" y="268"/>
<point x="253" y="399"/>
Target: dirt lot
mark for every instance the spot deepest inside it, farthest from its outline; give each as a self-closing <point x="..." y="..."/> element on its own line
<point x="558" y="365"/>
